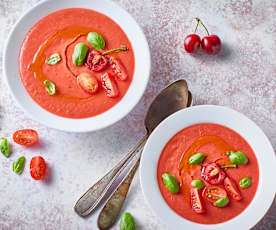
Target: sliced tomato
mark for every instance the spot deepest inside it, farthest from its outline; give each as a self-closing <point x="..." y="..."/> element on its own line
<point x="109" y="85"/>
<point x="118" y="68"/>
<point x="196" y="201"/>
<point x="38" y="167"/>
<point x="232" y="189"/>
<point x="95" y="61"/>
<point x="213" y="174"/>
<point x="88" y="83"/>
<point x="25" y="137"/>
<point x="214" y="193"/>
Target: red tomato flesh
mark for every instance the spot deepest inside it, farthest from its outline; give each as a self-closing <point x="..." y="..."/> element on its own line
<point x="109" y="85"/>
<point x="232" y="189"/>
<point x="214" y="193"/>
<point x="88" y="83"/>
<point x="213" y="174"/>
<point x="95" y="61"/>
<point x="118" y="68"/>
<point x="38" y="168"/>
<point x="196" y="201"/>
<point x="25" y="137"/>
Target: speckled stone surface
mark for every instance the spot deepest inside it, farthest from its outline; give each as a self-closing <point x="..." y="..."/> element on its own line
<point x="242" y="76"/>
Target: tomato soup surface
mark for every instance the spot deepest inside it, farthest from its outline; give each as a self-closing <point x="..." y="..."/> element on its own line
<point x="59" y="32"/>
<point x="198" y="138"/>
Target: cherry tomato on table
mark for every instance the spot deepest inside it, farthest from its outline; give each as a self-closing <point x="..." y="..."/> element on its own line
<point x="196" y="201"/>
<point x="232" y="189"/>
<point x="118" y="68"/>
<point x="95" y="61"/>
<point x="214" y="193"/>
<point x="25" y="137"/>
<point x="88" y="83"/>
<point x="213" y="174"/>
<point x="109" y="85"/>
<point x="38" y="168"/>
<point x="192" y="43"/>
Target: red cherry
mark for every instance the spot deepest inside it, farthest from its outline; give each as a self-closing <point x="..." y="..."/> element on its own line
<point x="211" y="44"/>
<point x="192" y="43"/>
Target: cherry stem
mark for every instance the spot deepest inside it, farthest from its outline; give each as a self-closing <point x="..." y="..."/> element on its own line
<point x="196" y="25"/>
<point x="199" y="21"/>
<point x="229" y="166"/>
<point x="124" y="48"/>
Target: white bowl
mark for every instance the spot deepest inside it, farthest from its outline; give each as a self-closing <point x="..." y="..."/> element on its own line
<point x="117" y="112"/>
<point x="213" y="114"/>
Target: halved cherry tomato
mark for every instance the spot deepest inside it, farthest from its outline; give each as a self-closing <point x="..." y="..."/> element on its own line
<point x="196" y="201"/>
<point x="88" y="83"/>
<point x="95" y="61"/>
<point x="38" y="168"/>
<point x="118" y="68"/>
<point x="232" y="189"/>
<point x="214" y="193"/>
<point x="25" y="137"/>
<point x="213" y="174"/>
<point x="109" y="85"/>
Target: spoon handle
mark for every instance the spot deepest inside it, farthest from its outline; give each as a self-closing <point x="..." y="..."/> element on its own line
<point x="94" y="195"/>
<point x="112" y="207"/>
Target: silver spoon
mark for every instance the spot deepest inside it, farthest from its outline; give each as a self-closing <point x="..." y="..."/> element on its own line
<point x="113" y="205"/>
<point x="171" y="99"/>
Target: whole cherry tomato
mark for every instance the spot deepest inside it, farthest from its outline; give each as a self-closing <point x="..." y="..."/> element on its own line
<point x="88" y="83"/>
<point x="109" y="85"/>
<point x="192" y="43"/>
<point x="214" y="193"/>
<point x="232" y="189"/>
<point x="38" y="168"/>
<point x="95" y="61"/>
<point x="196" y="201"/>
<point x="211" y="44"/>
<point x="118" y="68"/>
<point x="213" y="174"/>
<point x="25" y="137"/>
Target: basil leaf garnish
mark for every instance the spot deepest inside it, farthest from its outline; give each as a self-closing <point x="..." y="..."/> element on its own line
<point x="5" y="147"/>
<point x="50" y="87"/>
<point x="96" y="40"/>
<point x="18" y="165"/>
<point x="53" y="59"/>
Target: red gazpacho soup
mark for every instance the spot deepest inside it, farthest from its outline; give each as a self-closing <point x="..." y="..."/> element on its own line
<point x="213" y="173"/>
<point x="76" y="63"/>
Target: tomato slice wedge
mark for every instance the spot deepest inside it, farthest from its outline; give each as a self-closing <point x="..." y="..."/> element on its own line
<point x="232" y="189"/>
<point x="213" y="174"/>
<point x="88" y="83"/>
<point x="214" y="193"/>
<point x="25" y="137"/>
<point x="196" y="201"/>
<point x="38" y="167"/>
<point x="109" y="85"/>
<point x="95" y="61"/>
<point x="118" y="68"/>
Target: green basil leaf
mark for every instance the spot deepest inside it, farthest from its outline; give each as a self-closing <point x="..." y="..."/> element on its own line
<point x="53" y="59"/>
<point x="50" y="87"/>
<point x="245" y="182"/>
<point x="238" y="158"/>
<point x="197" y="184"/>
<point x="170" y="182"/>
<point x="79" y="54"/>
<point x="222" y="202"/>
<point x="18" y="165"/>
<point x="96" y="40"/>
<point x="196" y="158"/>
<point x="5" y="147"/>
<point x="127" y="222"/>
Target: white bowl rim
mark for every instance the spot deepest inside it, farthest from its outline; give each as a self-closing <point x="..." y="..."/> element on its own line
<point x="209" y="114"/>
<point x="114" y="114"/>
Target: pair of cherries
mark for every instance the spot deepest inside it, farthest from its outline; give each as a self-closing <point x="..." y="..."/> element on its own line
<point x="211" y="44"/>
